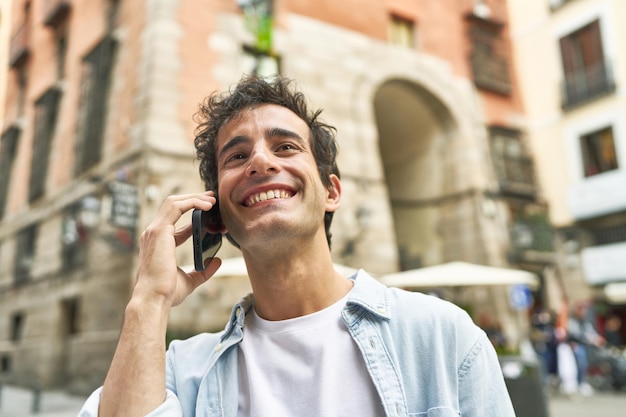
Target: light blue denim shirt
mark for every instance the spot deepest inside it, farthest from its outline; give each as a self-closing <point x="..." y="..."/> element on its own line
<point x="425" y="356"/>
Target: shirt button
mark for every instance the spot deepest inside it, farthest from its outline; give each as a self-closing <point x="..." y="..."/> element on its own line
<point x="381" y="310"/>
<point x="372" y="343"/>
<point x="218" y="347"/>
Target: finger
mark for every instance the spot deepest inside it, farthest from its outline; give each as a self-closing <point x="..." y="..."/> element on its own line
<point x="173" y="198"/>
<point x="197" y="278"/>
<point x="175" y="206"/>
<point x="181" y="235"/>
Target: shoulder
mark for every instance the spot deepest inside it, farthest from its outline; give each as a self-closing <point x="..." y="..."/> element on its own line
<point x="194" y="347"/>
<point x="406" y="306"/>
<point x="417" y="319"/>
<point x="415" y="302"/>
<point x="428" y="312"/>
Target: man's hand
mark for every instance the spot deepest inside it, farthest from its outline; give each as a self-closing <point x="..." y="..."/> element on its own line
<point x="158" y="277"/>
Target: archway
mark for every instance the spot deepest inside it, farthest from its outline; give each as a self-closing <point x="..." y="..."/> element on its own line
<point x="413" y="130"/>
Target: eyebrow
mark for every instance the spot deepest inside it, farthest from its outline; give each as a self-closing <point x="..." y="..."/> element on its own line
<point x="231" y="144"/>
<point x="271" y="132"/>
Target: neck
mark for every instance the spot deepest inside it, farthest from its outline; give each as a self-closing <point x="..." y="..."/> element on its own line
<point x="295" y="284"/>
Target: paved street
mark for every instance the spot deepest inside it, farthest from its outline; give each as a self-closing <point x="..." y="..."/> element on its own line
<point x="599" y="404"/>
<point x="18" y="402"/>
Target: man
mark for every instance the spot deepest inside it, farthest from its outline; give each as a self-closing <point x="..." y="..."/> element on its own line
<point x="583" y="338"/>
<point x="308" y="341"/>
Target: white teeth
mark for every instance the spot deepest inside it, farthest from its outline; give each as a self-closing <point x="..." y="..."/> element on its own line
<point x="267" y="196"/>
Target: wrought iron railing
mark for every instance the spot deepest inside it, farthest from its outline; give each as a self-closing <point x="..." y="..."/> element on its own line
<point x="609" y="235"/>
<point x="532" y="233"/>
<point x="516" y="171"/>
<point x="587" y="83"/>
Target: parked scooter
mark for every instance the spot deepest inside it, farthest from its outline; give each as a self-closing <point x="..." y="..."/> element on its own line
<point x="607" y="368"/>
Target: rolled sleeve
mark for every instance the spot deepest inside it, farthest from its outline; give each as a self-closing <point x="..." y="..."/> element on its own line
<point x="170" y="407"/>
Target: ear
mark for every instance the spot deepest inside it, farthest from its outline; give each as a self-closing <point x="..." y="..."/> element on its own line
<point x="218" y="229"/>
<point x="216" y="224"/>
<point x="333" y="194"/>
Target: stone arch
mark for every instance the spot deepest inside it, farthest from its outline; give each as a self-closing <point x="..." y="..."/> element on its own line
<point x="430" y="138"/>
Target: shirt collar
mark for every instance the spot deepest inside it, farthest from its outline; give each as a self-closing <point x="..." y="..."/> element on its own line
<point x="368" y="293"/>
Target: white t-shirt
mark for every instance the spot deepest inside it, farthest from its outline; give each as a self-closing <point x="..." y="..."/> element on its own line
<point x="306" y="366"/>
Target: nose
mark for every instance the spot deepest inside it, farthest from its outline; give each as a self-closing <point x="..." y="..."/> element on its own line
<point x="262" y="162"/>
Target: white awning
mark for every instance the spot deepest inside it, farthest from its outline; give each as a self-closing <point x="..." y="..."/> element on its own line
<point x="458" y="274"/>
<point x="236" y="267"/>
<point x="616" y="292"/>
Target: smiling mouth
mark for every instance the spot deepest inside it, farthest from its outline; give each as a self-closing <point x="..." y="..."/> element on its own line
<point x="267" y="195"/>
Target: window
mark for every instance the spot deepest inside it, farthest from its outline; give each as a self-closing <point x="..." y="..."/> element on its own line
<point x="489" y="55"/>
<point x="61" y="44"/>
<point x="5" y="363"/>
<point x="46" y="109"/>
<point x="401" y="31"/>
<point x="598" y="152"/>
<point x="94" y="91"/>
<point x="71" y="312"/>
<point x="25" y="255"/>
<point x="73" y="240"/>
<point x="17" y="326"/>
<point x="586" y="71"/>
<point x="8" y="148"/>
<point x="22" y="81"/>
<point x="513" y="166"/>
<point x="56" y="12"/>
<point x="19" y="49"/>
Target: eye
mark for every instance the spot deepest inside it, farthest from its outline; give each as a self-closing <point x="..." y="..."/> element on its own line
<point x="287" y="147"/>
<point x="235" y="157"/>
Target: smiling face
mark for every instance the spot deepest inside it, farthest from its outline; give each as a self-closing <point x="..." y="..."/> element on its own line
<point x="270" y="188"/>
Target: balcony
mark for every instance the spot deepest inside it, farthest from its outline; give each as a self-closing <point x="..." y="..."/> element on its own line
<point x="513" y="166"/>
<point x="531" y="239"/>
<point x="607" y="235"/>
<point x="19" y="47"/>
<point x="516" y="177"/>
<point x="598" y="195"/>
<point x="491" y="72"/>
<point x="532" y="233"/>
<point x="604" y="264"/>
<point x="55" y="12"/>
<point x="587" y="84"/>
<point x="490" y="54"/>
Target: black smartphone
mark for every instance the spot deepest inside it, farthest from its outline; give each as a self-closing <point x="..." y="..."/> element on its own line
<point x="205" y="243"/>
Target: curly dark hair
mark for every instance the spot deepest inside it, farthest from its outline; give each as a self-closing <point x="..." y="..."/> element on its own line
<point x="218" y="108"/>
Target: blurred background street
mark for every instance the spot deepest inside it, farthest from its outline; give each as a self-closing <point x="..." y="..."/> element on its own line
<point x="601" y="404"/>
<point x="483" y="160"/>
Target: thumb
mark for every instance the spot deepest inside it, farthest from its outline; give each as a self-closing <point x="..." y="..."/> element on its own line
<point x="197" y="278"/>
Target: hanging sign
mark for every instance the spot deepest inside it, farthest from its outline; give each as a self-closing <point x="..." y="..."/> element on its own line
<point x="124" y="206"/>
